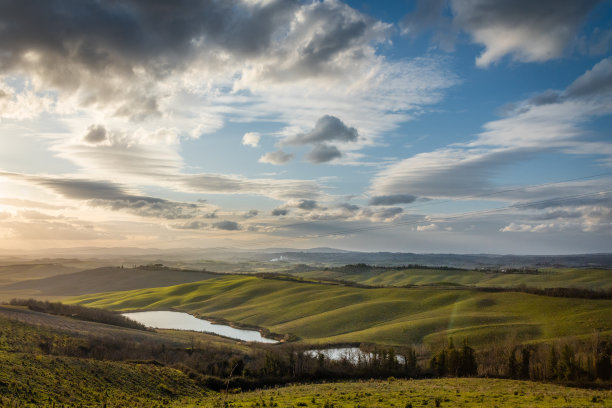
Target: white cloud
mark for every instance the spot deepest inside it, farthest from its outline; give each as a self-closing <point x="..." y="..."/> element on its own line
<point x="251" y="139"/>
<point x="428" y="227"/>
<point x="463" y="170"/>
<point x="277" y="157"/>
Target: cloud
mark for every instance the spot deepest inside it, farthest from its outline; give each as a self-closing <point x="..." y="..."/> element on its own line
<point x="193" y="225"/>
<point x="323" y="153"/>
<point x="428" y="15"/>
<point x="250" y="214"/>
<point x="277" y="157"/>
<point x="558" y="214"/>
<point x="596" y="81"/>
<point x="349" y="207"/>
<point x="229" y="184"/>
<point x="328" y="128"/>
<point x="124" y="57"/>
<point x="277" y="212"/>
<point x="528" y="31"/>
<point x="551" y="122"/>
<point x="143" y="161"/>
<point x="227" y="226"/>
<point x="251" y="139"/>
<point x="111" y="196"/>
<point x="95" y="134"/>
<point x="55" y="231"/>
<point x="428" y="227"/>
<point x="392" y="199"/>
<point x="307" y="205"/>
<point x="389" y="213"/>
<point x="19" y="203"/>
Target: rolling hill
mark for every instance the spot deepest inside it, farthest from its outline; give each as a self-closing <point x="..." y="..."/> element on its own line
<point x="321" y="313"/>
<point x="107" y="279"/>
<point x="593" y="279"/>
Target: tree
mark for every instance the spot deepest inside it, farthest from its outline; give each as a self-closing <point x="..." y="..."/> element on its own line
<point x="467" y="365"/>
<point x="552" y="372"/>
<point x="525" y="354"/>
<point x="567" y="364"/>
<point x="603" y="368"/>
<point x="512" y="365"/>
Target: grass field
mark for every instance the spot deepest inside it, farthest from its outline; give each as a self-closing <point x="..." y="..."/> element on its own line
<point x="594" y="279"/>
<point x="106" y="279"/>
<point x="320" y="313"/>
<point x="452" y="392"/>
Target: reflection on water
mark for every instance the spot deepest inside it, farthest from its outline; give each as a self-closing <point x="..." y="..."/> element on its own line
<point x="353" y="355"/>
<point x="185" y="321"/>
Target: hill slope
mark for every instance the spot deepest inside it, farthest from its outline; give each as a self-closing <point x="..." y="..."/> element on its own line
<point x="395" y="316"/>
<point x="594" y="279"/>
<point x="107" y="279"/>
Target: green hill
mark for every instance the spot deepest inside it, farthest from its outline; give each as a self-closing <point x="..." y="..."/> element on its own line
<point x="594" y="279"/>
<point x="107" y="279"/>
<point x="320" y="313"/>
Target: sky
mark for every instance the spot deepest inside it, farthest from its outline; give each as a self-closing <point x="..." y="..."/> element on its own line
<point x="438" y="126"/>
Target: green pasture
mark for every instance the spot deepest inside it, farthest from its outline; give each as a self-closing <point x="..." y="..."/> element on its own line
<point x="321" y="313"/>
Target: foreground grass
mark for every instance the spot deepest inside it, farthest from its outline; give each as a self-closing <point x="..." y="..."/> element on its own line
<point x="450" y="392"/>
<point x="320" y="313"/>
<point x="40" y="380"/>
<point x="31" y="377"/>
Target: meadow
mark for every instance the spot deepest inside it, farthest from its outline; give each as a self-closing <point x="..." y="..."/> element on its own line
<point x="331" y="313"/>
<point x="582" y="278"/>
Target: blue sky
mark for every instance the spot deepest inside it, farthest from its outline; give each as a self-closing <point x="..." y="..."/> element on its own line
<point x="465" y="126"/>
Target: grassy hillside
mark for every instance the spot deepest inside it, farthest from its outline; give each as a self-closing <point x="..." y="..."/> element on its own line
<point x="594" y="279"/>
<point x="468" y="392"/>
<point x="105" y="279"/>
<point x="88" y="364"/>
<point x="395" y="316"/>
<point x="25" y="271"/>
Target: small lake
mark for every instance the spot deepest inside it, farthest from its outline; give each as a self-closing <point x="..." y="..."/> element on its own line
<point x="350" y="354"/>
<point x="185" y="321"/>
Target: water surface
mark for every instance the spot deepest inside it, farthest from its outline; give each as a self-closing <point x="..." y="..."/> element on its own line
<point x="185" y="321"/>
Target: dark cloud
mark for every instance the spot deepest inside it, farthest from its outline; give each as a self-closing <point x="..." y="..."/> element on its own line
<point x="95" y="134"/>
<point x="194" y="225"/>
<point x="277" y="157"/>
<point x="602" y="200"/>
<point x="250" y="214"/>
<point x="227" y="226"/>
<point x="112" y="196"/>
<point x="328" y="128"/>
<point x="447" y="172"/>
<point x="307" y="205"/>
<point x="323" y="153"/>
<point x="596" y="81"/>
<point x="112" y="53"/>
<point x="392" y="199"/>
<point x="559" y="214"/>
<point x="148" y="33"/>
<point x="504" y="27"/>
<point x="390" y="212"/>
<point x="429" y="15"/>
<point x="349" y="207"/>
<point x="277" y="212"/>
<point x="546" y="98"/>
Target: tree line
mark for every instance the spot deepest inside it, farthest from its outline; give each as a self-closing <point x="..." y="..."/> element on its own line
<point x="78" y="312"/>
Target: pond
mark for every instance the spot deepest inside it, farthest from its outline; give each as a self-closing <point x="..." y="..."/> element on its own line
<point x="185" y="321"/>
<point x="350" y="354"/>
